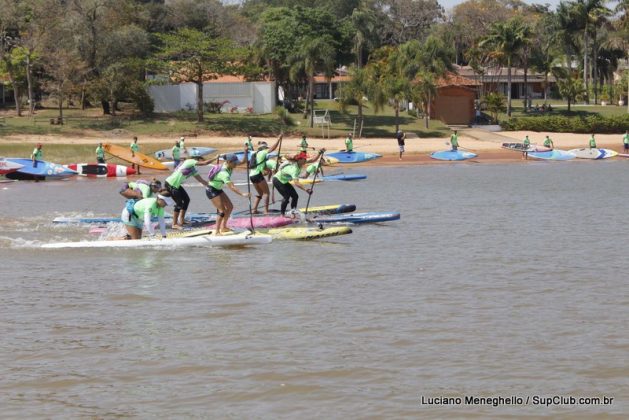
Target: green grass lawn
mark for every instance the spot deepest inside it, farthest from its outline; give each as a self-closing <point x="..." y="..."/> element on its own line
<point x="380" y="124"/>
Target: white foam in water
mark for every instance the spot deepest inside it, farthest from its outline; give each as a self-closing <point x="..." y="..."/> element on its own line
<point x="113" y="230"/>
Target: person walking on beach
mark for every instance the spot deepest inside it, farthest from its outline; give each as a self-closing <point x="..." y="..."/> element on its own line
<point x="349" y="143"/>
<point x="303" y="146"/>
<point x="37" y="154"/>
<point x="182" y="144"/>
<point x="527" y="144"/>
<point x="454" y="141"/>
<point x="400" y="136"/>
<point x="220" y="200"/>
<point x="176" y="152"/>
<point x="187" y="169"/>
<point x="100" y="153"/>
<point x="135" y="148"/>
<point x="625" y="141"/>
<point x="548" y="142"/>
<point x="592" y="142"/>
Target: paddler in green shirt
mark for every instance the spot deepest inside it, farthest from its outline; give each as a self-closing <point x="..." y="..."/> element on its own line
<point x="287" y="173"/>
<point x="140" y="189"/>
<point x="303" y="146"/>
<point x="176" y="152"/>
<point x="217" y="196"/>
<point x="37" y="154"/>
<point x="454" y="140"/>
<point x="527" y="144"/>
<point x="185" y="170"/>
<point x="100" y="153"/>
<point x="625" y="141"/>
<point x="137" y="215"/>
<point x="592" y="142"/>
<point x="135" y="148"/>
<point x="249" y="145"/>
<point x="182" y="144"/>
<point x="257" y="173"/>
<point x="349" y="144"/>
<point x="548" y="142"/>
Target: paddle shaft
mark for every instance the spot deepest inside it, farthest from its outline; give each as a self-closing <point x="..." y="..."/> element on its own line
<point x="460" y="147"/>
<point x="277" y="167"/>
<point x="249" y="191"/>
<point x="314" y="180"/>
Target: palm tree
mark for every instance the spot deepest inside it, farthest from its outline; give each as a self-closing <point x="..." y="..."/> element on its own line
<point x="364" y="22"/>
<point x="423" y="90"/>
<point x="505" y="40"/>
<point x="313" y="55"/>
<point x="356" y="91"/>
<point x="570" y="88"/>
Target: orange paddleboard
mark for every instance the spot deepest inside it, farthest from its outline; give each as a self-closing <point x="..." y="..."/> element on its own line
<point x="124" y="153"/>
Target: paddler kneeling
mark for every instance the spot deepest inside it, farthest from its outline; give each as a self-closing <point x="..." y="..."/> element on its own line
<point x="137" y="215"/>
<point x="217" y="196"/>
<point x="140" y="189"/>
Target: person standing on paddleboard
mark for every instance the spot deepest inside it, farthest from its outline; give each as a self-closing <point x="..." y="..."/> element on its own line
<point x="625" y="141"/>
<point x="592" y="143"/>
<point x="214" y="191"/>
<point x="135" y="148"/>
<point x="527" y="144"/>
<point x="290" y="172"/>
<point x="454" y="141"/>
<point x="549" y="143"/>
<point x="258" y="172"/>
<point x="187" y="169"/>
<point x="400" y="136"/>
<point x="137" y="215"/>
<point x="176" y="152"/>
<point x="37" y="154"/>
<point x="349" y="143"/>
<point x="100" y="153"/>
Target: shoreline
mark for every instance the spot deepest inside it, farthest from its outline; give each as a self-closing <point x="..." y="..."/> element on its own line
<point x="417" y="149"/>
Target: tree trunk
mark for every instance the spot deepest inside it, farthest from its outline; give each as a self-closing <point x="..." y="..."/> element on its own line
<point x="585" y="65"/>
<point x="29" y="81"/>
<point x="526" y="82"/>
<point x="61" y="104"/>
<point x="428" y="109"/>
<point x="595" y="80"/>
<point x="397" y="115"/>
<point x="16" y="94"/>
<point x="307" y="101"/>
<point x="105" y="105"/>
<point x="311" y="99"/>
<point x="545" y="87"/>
<point x="509" y="88"/>
<point x="199" y="101"/>
<point x="568" y="104"/>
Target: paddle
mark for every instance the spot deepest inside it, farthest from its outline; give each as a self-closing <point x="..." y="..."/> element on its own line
<point x="460" y="147"/>
<point x="277" y="167"/>
<point x="249" y="191"/>
<point x="314" y="180"/>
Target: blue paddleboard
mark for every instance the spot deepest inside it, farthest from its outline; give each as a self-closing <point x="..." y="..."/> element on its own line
<point x="40" y="170"/>
<point x="353" y="157"/>
<point x="357" y="218"/>
<point x="453" y="155"/>
<point x="193" y="217"/>
<point x="344" y="177"/>
<point x="189" y="153"/>
<point x="553" y="155"/>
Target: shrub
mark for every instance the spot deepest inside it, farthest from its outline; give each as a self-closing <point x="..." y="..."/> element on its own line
<point x="284" y="116"/>
<point x="563" y="124"/>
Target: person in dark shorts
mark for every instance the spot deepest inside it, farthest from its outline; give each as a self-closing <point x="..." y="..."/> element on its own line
<point x="625" y="141"/>
<point x="187" y="169"/>
<point x="401" y="136"/>
<point x="257" y="174"/>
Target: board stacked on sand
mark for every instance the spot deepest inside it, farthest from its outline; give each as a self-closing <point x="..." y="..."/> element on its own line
<point x="308" y="233"/>
<point x="140" y="159"/>
<point x="206" y="239"/>
<point x="588" y="153"/>
<point x="40" y="170"/>
<point x="453" y="155"/>
<point x="521" y="147"/>
<point x="188" y="152"/>
<point x="554" y="154"/>
<point x="101" y="170"/>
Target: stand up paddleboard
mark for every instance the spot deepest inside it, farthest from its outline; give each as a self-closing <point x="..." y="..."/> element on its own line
<point x="520" y="147"/>
<point x="188" y="152"/>
<point x="588" y="153"/>
<point x="140" y="159"/>
<point x="6" y="166"/>
<point x="358" y="218"/>
<point x="555" y="154"/>
<point x="101" y="170"/>
<point x="308" y="233"/>
<point x="39" y="171"/>
<point x="453" y="155"/>
<point x="353" y="157"/>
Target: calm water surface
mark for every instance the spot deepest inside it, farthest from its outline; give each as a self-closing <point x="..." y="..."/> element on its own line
<point x="497" y="281"/>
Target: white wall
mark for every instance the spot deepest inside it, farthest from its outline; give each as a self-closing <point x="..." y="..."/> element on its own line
<point x="258" y="95"/>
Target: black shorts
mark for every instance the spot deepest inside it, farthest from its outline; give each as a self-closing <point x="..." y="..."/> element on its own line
<point x="212" y="192"/>
<point x="626" y="146"/>
<point x="257" y="178"/>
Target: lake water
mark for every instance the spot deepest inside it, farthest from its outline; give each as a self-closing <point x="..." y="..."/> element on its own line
<point x="498" y="281"/>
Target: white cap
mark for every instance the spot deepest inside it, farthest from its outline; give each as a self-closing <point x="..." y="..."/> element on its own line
<point x="169" y="201"/>
<point x="181" y="138"/>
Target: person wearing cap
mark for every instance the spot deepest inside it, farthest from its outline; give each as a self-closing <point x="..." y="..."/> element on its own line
<point x="248" y="145"/>
<point x="140" y="189"/>
<point x="287" y="173"/>
<point x="100" y="153"/>
<point x="349" y="143"/>
<point x="185" y="170"/>
<point x="400" y="141"/>
<point x="592" y="142"/>
<point x="135" y="148"/>
<point x="137" y="215"/>
<point x="37" y="154"/>
<point x="454" y="141"/>
<point x="176" y="152"/>
<point x="214" y="191"/>
<point x="257" y="173"/>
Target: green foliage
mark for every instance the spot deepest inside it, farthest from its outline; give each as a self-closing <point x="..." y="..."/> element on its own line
<point x="565" y="124"/>
<point x="284" y="116"/>
<point x="495" y="103"/>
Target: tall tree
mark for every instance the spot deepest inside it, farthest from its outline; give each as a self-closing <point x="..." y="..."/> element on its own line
<point x="192" y="56"/>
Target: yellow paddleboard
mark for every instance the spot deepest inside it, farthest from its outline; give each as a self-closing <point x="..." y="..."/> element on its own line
<point x="307" y="233"/>
<point x="139" y="159"/>
<point x="307" y="181"/>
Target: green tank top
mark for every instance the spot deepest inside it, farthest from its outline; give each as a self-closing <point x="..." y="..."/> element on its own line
<point x="288" y="173"/>
<point x="150" y="205"/>
<point x="184" y="171"/>
<point x="221" y="178"/>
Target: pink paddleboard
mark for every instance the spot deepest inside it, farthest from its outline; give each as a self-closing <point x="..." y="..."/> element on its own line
<point x="260" y="222"/>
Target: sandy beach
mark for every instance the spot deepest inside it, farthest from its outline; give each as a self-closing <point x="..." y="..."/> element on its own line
<point x="486" y="144"/>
